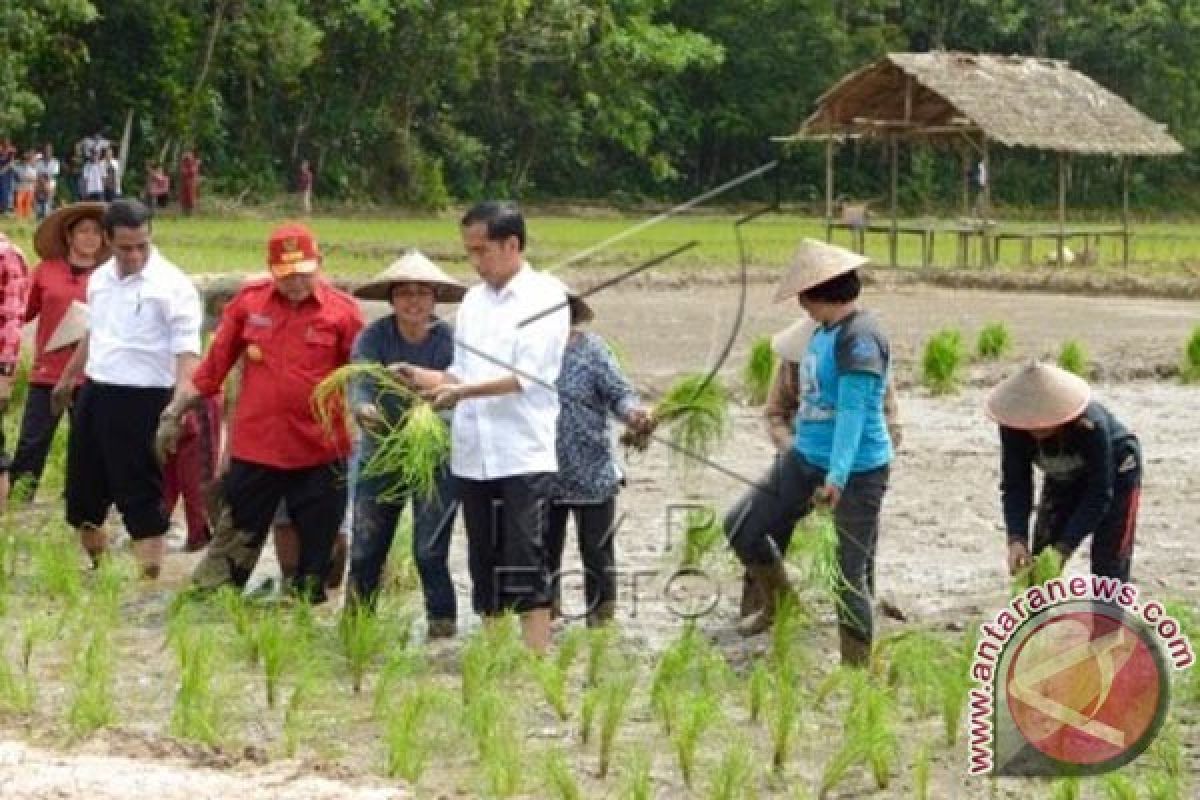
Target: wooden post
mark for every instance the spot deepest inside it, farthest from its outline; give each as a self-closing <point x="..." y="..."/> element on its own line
<point x="829" y="188"/>
<point x="985" y="237"/>
<point x="1125" y="211"/>
<point x="893" y="239"/>
<point x="1062" y="208"/>
<point x="965" y="156"/>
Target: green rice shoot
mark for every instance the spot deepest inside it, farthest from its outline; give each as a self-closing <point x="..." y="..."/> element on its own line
<point x="696" y="408"/>
<point x="703" y="532"/>
<point x="412" y="454"/>
<point x="1190" y="371"/>
<point x="942" y="362"/>
<point x="759" y="371"/>
<point x="1045" y="566"/>
<point x="994" y="341"/>
<point x="1074" y="358"/>
<point x="329" y="401"/>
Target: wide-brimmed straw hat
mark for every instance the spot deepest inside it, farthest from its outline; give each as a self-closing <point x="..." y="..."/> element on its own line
<point x="814" y="263"/>
<point x="50" y="240"/>
<point x="412" y="267"/>
<point x="1039" y="396"/>
<point x="791" y="343"/>
<point x="71" y="328"/>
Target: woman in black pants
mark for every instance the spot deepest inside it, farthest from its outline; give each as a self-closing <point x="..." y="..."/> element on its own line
<point x="590" y="388"/>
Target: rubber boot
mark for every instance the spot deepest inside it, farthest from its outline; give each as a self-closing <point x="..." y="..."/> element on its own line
<point x="773" y="582"/>
<point x="856" y="651"/>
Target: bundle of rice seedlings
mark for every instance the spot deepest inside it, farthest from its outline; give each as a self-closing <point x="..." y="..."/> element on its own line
<point x="955" y="684"/>
<point x="112" y="576"/>
<point x="412" y="452"/>
<point x="922" y="764"/>
<point x="552" y="680"/>
<point x="697" y="410"/>
<point x="759" y="371"/>
<point x="491" y="727"/>
<point x="237" y="611"/>
<point x="697" y="712"/>
<point x="868" y="733"/>
<point x="1045" y="566"/>
<point x="942" y="361"/>
<point x="600" y="643"/>
<point x="1190" y="370"/>
<point x="56" y="568"/>
<point x="814" y="550"/>
<point x="614" y="701"/>
<point x="329" y="396"/>
<point x="559" y="777"/>
<point x="994" y="341"/>
<point x="404" y="665"/>
<point x="92" y="703"/>
<point x="734" y="776"/>
<point x="274" y="649"/>
<point x="783" y="716"/>
<point x="363" y="637"/>
<point x="1073" y="358"/>
<point x="914" y="661"/>
<point x="406" y="733"/>
<point x="197" y="713"/>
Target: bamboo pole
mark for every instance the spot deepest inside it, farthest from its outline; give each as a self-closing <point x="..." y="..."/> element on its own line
<point x="1062" y="205"/>
<point x="829" y="189"/>
<point x="985" y="239"/>
<point x="1125" y="211"/>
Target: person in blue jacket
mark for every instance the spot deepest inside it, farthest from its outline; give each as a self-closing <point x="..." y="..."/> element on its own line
<point x="1091" y="466"/>
<point x="840" y="452"/>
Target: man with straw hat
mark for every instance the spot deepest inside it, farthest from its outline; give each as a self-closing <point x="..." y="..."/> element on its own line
<point x="1091" y="463"/>
<point x="510" y="334"/>
<point x="14" y="286"/>
<point x="840" y="451"/>
<point x="411" y="334"/>
<point x="71" y="244"/>
<point x="289" y="331"/>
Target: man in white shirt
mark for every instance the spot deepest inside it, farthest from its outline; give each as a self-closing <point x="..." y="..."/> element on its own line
<point x="143" y="341"/>
<point x="510" y="334"/>
<point x="47" y="171"/>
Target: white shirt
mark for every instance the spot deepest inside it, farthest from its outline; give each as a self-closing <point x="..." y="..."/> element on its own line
<point x="512" y="434"/>
<point x="48" y="168"/>
<point x="93" y="178"/>
<point x="140" y="323"/>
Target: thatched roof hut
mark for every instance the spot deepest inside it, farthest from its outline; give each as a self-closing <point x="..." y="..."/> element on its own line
<point x="1016" y="101"/>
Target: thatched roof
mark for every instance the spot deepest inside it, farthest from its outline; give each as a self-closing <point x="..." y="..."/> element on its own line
<point x="1019" y="102"/>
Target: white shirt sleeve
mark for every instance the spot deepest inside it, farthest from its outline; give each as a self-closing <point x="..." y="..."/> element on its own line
<point x="186" y="318"/>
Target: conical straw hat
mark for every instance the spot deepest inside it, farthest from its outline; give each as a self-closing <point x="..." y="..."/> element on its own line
<point x="791" y="343"/>
<point x="50" y="239"/>
<point x="71" y="328"/>
<point x="1039" y="396"/>
<point x="814" y="263"/>
<point x="412" y="267"/>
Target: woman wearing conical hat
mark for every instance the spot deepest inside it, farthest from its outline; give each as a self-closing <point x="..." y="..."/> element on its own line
<point x="840" y="450"/>
<point x="1091" y="466"/>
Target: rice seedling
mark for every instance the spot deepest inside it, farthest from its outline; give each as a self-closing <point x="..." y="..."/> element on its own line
<point x="412" y="452"/>
<point x="56" y="567"/>
<point x="688" y="664"/>
<point x="697" y="410"/>
<point x="734" y="776"/>
<point x="403" y="665"/>
<point x="956" y="684"/>
<point x="614" y="701"/>
<point x="197" y="713"/>
<point x="759" y="371"/>
<point x="703" y="532"/>
<point x="1045" y="566"/>
<point x="237" y="610"/>
<point x="499" y="749"/>
<point x="1066" y="789"/>
<point x="814" y="550"/>
<point x="600" y="643"/>
<point x="1160" y="786"/>
<point x="559" y="778"/>
<point x="638" y="784"/>
<point x="941" y="362"/>
<point x="868" y="733"/>
<point x="363" y="637"/>
<point x="551" y="673"/>
<point x="1073" y="358"/>
<point x="921" y="768"/>
<point x="782" y="718"/>
<point x="34" y="631"/>
<point x="1190" y="370"/>
<point x="1168" y="757"/>
<point x="407" y="731"/>
<point x="92" y="705"/>
<point x="697" y="712"/>
<point x="785" y="659"/>
<point x="402" y="575"/>
<point x="113" y="575"/>
<point x="589" y="704"/>
<point x="491" y="653"/>
<point x="17" y="693"/>
<point x="758" y="687"/>
<point x="994" y="341"/>
<point x="1118" y="786"/>
<point x="274" y="650"/>
<point x="914" y="662"/>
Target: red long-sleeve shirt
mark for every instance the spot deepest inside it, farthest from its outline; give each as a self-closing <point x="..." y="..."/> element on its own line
<point x="286" y="351"/>
<point x="14" y="286"/>
<point x="54" y="287"/>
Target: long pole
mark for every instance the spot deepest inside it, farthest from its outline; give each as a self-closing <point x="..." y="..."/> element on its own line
<point x="1125" y="210"/>
<point x="1062" y="206"/>
<point x="893" y="239"/>
<point x="829" y="188"/>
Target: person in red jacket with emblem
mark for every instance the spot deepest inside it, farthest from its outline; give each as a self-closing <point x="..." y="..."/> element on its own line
<point x="290" y="331"/>
<point x="71" y="245"/>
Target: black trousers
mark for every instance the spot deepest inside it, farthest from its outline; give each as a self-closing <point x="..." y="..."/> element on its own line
<point x="1113" y="538"/>
<point x="38" y="426"/>
<point x="110" y="458"/>
<point x="596" y="533"/>
<point x="316" y="503"/>
<point x="506" y="521"/>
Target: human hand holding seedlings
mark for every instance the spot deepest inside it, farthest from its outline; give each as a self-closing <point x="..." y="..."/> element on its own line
<point x="828" y="495"/>
<point x="446" y="396"/>
<point x="417" y="378"/>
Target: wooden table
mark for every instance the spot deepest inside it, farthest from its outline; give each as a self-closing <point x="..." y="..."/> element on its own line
<point x="1060" y="238"/>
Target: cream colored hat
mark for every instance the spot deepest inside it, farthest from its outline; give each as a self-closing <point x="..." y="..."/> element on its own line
<point x="791" y="343"/>
<point x="1039" y="396"/>
<point x="814" y="263"/>
<point x="71" y="328"/>
<point x="412" y="267"/>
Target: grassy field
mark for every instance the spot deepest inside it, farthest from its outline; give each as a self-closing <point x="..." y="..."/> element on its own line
<point x="362" y="245"/>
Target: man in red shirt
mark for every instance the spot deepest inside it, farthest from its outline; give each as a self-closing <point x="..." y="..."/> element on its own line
<point x="290" y="332"/>
<point x="71" y="245"/>
<point x="14" y="285"/>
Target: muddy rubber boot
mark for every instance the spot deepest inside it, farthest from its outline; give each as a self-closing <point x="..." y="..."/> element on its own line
<point x="773" y="582"/>
<point x="856" y="651"/>
<point x="752" y="597"/>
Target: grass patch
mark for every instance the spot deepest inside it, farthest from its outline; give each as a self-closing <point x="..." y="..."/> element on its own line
<point x="942" y="362"/>
<point x="994" y="341"/>
<point x="1074" y="358"/>
<point x="759" y="371"/>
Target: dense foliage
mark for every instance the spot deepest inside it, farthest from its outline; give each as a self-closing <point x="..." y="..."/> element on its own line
<point x="421" y="103"/>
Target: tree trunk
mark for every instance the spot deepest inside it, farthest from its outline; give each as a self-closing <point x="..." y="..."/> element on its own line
<point x="214" y="32"/>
